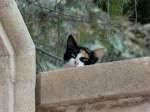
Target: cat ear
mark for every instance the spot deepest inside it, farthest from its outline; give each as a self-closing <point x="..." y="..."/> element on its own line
<point x="71" y="43"/>
<point x="99" y="52"/>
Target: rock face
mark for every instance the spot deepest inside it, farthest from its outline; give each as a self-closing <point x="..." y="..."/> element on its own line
<point x="109" y="87"/>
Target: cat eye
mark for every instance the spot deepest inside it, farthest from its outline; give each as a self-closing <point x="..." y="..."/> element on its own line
<point x="84" y="59"/>
<point x="73" y="55"/>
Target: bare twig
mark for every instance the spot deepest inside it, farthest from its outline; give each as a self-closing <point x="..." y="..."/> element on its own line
<point x="108" y="7"/>
<point x="136" y="13"/>
<point x="50" y="54"/>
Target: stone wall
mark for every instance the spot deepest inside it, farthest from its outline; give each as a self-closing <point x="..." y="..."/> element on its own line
<point x="17" y="61"/>
<point x="109" y="87"/>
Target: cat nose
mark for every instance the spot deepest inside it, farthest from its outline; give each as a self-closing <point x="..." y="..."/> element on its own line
<point x="76" y="63"/>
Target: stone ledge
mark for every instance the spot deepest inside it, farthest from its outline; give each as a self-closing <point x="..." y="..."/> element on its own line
<point x="72" y="84"/>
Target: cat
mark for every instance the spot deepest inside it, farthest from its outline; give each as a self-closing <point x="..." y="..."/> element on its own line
<point x="78" y="56"/>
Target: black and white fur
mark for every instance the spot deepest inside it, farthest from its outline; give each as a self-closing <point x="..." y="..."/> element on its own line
<point x="78" y="56"/>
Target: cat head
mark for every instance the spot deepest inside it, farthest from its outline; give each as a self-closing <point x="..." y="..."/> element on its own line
<point x="76" y="55"/>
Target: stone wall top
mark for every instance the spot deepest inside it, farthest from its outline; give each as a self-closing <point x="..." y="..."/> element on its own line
<point x="71" y="84"/>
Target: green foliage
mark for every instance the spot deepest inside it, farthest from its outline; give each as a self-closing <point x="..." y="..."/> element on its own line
<point x="116" y="41"/>
<point x="113" y="7"/>
<point x="50" y="23"/>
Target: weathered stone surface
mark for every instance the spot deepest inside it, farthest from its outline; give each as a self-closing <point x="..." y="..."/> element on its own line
<point x="72" y="85"/>
<point x="6" y="85"/>
<point x="108" y="106"/>
<point x="95" y="80"/>
<point x="7" y="73"/>
<point x="25" y="84"/>
<point x="24" y="59"/>
<point x="15" y="27"/>
<point x="3" y="50"/>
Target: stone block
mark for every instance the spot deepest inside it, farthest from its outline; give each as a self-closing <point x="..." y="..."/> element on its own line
<point x="83" y="87"/>
<point x="91" y="81"/>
